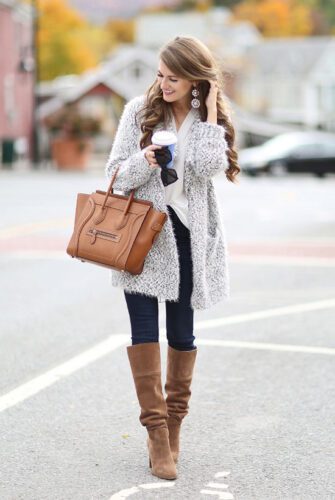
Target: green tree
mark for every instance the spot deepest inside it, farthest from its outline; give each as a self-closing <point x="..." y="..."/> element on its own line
<point x="225" y="3"/>
<point x="325" y="8"/>
<point x="201" y="5"/>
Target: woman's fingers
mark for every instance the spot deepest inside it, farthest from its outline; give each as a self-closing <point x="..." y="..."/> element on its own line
<point x="152" y="158"/>
<point x="214" y="84"/>
<point x="150" y="154"/>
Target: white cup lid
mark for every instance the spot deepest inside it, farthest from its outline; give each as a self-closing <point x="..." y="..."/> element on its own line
<point x="164" y="138"/>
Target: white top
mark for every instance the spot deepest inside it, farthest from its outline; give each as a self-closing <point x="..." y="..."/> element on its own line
<point x="174" y="193"/>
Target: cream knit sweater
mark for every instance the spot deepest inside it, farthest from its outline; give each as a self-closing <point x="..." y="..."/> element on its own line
<point x="205" y="156"/>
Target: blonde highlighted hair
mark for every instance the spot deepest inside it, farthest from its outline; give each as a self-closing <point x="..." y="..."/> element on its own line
<point x="190" y="59"/>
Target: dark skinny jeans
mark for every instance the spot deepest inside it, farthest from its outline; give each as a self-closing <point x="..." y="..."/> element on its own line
<point x="143" y="310"/>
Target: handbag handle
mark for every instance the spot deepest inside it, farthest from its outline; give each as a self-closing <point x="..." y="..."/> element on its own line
<point x="102" y="215"/>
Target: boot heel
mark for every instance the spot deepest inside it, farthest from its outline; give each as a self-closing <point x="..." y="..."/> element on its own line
<point x="150" y="465"/>
<point x="160" y="459"/>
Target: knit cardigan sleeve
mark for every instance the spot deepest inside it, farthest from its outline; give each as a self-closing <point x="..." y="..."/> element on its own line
<point x="210" y="151"/>
<point x="134" y="168"/>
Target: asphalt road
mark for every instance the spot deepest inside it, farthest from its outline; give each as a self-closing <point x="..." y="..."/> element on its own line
<point x="262" y="412"/>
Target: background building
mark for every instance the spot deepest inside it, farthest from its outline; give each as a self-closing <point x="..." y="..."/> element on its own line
<point x="290" y="80"/>
<point x="16" y="80"/>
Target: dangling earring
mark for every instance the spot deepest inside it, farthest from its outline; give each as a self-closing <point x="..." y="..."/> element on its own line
<point x="195" y="103"/>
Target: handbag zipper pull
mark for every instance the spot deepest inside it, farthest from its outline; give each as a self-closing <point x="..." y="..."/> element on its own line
<point x="93" y="236"/>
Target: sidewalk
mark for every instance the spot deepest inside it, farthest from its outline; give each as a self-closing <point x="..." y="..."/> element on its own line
<point x="96" y="164"/>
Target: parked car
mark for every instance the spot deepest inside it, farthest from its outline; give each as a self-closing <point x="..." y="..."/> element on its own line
<point x="291" y="152"/>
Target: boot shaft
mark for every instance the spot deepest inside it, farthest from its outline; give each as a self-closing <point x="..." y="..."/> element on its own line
<point x="145" y="363"/>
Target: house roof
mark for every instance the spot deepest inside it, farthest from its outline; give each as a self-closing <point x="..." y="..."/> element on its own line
<point x="21" y="9"/>
<point x="245" y="121"/>
<point x="8" y="3"/>
<point x="324" y="69"/>
<point x="69" y="88"/>
<point x="292" y="56"/>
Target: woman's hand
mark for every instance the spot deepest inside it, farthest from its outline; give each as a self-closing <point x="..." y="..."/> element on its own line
<point x="150" y="155"/>
<point x="211" y="102"/>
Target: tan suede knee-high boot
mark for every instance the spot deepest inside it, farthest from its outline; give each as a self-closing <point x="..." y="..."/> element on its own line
<point x="179" y="373"/>
<point x="145" y="362"/>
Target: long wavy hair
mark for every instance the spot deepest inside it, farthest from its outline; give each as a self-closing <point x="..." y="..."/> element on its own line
<point x="190" y="59"/>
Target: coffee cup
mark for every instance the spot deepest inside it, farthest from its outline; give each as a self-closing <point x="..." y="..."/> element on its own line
<point x="165" y="138"/>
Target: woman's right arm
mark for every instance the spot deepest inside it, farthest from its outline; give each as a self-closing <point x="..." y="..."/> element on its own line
<point x="135" y="168"/>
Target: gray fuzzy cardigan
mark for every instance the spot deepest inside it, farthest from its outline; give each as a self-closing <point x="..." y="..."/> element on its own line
<point x="205" y="157"/>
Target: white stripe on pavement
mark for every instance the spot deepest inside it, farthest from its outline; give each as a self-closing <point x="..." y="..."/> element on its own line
<point x="222" y="495"/>
<point x="260" y="260"/>
<point x="36" y="254"/>
<point x="39" y="383"/>
<point x="266" y="313"/>
<point x="154" y="486"/>
<point x="257" y="260"/>
<point x="72" y="365"/>
<point x="241" y="344"/>
<point x="33" y="227"/>
<point x="222" y="486"/>
<point x="308" y="242"/>
<point x="224" y="473"/>
<point x="120" y="495"/>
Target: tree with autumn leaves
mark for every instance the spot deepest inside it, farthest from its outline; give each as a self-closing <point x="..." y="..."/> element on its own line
<point x="276" y="18"/>
<point x="69" y="44"/>
<point x="63" y="46"/>
<point x="283" y="18"/>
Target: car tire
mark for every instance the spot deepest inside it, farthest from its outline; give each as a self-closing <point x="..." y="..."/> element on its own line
<point x="277" y="169"/>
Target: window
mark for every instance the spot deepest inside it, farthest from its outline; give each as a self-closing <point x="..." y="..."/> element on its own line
<point x="137" y="71"/>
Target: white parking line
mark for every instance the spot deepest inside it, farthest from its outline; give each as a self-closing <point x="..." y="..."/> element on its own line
<point x="266" y="313"/>
<point x="48" y="378"/>
<point x="224" y="473"/>
<point x="255" y="260"/>
<point x="153" y="486"/>
<point x="36" y="254"/>
<point x="127" y="492"/>
<point x="120" y="495"/>
<point x="293" y="242"/>
<point x="260" y="260"/>
<point x="221" y="486"/>
<point x="34" y="227"/>
<point x="264" y="346"/>
<point x="39" y="383"/>
<point x="220" y="494"/>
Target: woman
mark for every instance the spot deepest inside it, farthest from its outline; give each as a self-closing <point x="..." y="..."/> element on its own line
<point x="186" y="267"/>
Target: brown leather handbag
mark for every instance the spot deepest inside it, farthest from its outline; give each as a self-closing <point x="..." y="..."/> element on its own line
<point x="113" y="230"/>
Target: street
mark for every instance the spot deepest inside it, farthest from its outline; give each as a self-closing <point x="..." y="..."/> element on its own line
<point x="262" y="412"/>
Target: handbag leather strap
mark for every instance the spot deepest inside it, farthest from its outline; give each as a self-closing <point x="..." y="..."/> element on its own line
<point x="100" y="217"/>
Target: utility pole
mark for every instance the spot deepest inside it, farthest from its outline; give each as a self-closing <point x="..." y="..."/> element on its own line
<point x="35" y="135"/>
